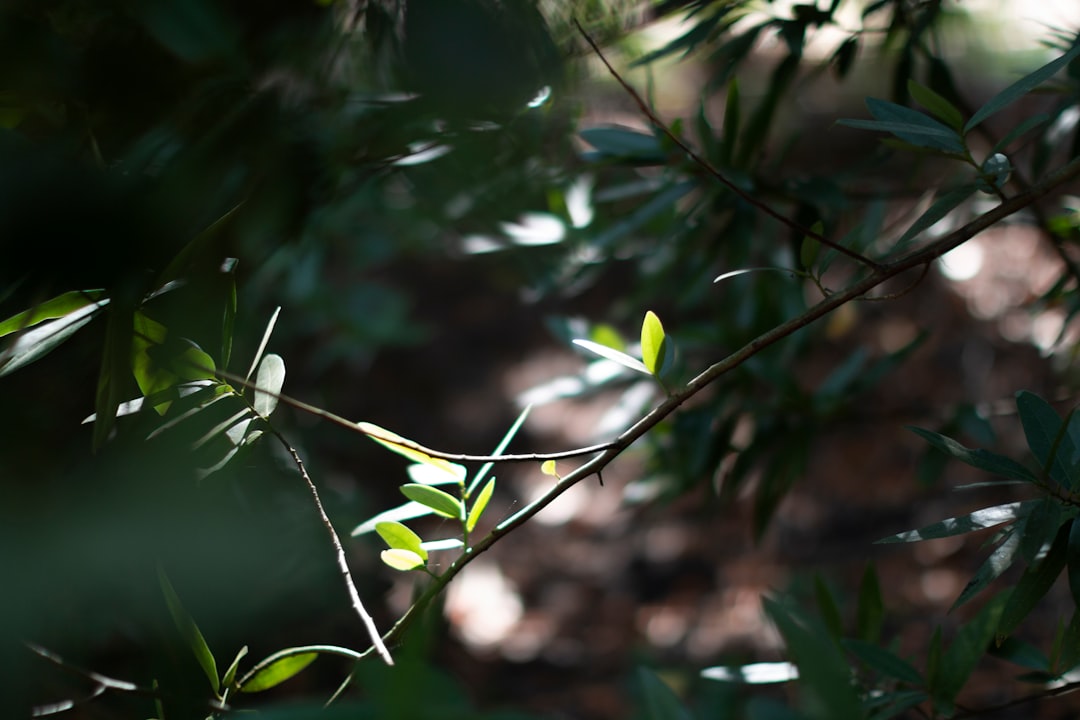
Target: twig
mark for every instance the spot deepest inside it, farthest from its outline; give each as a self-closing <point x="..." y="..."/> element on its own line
<point x="397" y="440"/>
<point x="708" y="167"/>
<point x="339" y="552"/>
<point x="1052" y="692"/>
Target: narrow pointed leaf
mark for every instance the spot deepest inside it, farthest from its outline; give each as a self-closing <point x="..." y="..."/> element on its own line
<point x="442" y="503"/>
<point x="1034" y="584"/>
<point x="967" y="648"/>
<point x="269" y="379"/>
<point x="936" y="104"/>
<point x="427" y="474"/>
<point x="446" y="544"/>
<point x="870" y="613"/>
<point x="402" y="446"/>
<point x="1046" y="437"/>
<point x="278" y="672"/>
<point x="481" y="474"/>
<point x="883" y="661"/>
<point x="190" y="631"/>
<point x="982" y="459"/>
<point x="229" y="677"/>
<point x="58" y="307"/>
<point x="942" y="206"/>
<point x="613" y="355"/>
<point x="999" y="561"/>
<point x="35" y="344"/>
<point x="661" y="703"/>
<point x="262" y="344"/>
<point x="1073" y="561"/>
<point x="1020" y="88"/>
<point x="480" y="505"/>
<point x="978" y="520"/>
<point x="407" y="511"/>
<point x="652" y="343"/>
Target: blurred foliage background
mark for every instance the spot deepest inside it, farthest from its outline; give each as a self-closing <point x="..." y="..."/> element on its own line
<point x="440" y="195"/>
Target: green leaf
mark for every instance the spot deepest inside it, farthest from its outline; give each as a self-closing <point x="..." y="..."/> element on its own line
<point x="59" y="307"/>
<point x="965" y="651"/>
<point x="1072" y="555"/>
<point x="401" y="559"/>
<point x="730" y="130"/>
<point x="229" y="677"/>
<point x="480" y="505"/>
<point x="270" y="378"/>
<point x="1020" y="88"/>
<point x="830" y="611"/>
<point x="653" y="342"/>
<point x="1046" y="436"/>
<point x="978" y="520"/>
<point x="909" y="125"/>
<point x="1040" y="529"/>
<point x="228" y="319"/>
<point x="1034" y="583"/>
<point x="1070" y="645"/>
<point x="1000" y="560"/>
<point x="895" y="704"/>
<point x="661" y="703"/>
<point x="1021" y="653"/>
<point x="399" y="537"/>
<point x="623" y="142"/>
<point x="441" y="502"/>
<point x="115" y="371"/>
<point x="407" y="511"/>
<point x="982" y="459"/>
<point x="764" y="673"/>
<point x="811" y="246"/>
<point x="548" y="467"/>
<point x="941" y="207"/>
<point x="870" y="613"/>
<point x="936" y="104"/>
<point x="263" y="343"/>
<point x="883" y="661"/>
<point x="278" y="672"/>
<point x="190" y="631"/>
<point x="613" y="355"/>
<point x="32" y="345"/>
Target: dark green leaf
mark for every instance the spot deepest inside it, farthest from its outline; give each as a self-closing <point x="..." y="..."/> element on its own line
<point x="115" y="371"/>
<point x="982" y="459"/>
<point x="442" y="503"/>
<point x="623" y="142"/>
<point x="941" y="207"/>
<point x="844" y="57"/>
<point x="1040" y="529"/>
<point x="1073" y="561"/>
<point x="190" y="631"/>
<point x="1034" y="583"/>
<point x="1019" y="131"/>
<point x="895" y="704"/>
<point x="966" y="649"/>
<point x="830" y="611"/>
<point x="278" y="672"/>
<point x="884" y="661"/>
<point x="660" y="702"/>
<point x="1047" y="438"/>
<point x="1021" y="653"/>
<point x="1020" y="88"/>
<point x="999" y="561"/>
<point x="731" y="123"/>
<point x="870" y="614"/>
<point x="58" y="307"/>
<point x="936" y="104"/>
<point x="909" y="125"/>
<point x="978" y="520"/>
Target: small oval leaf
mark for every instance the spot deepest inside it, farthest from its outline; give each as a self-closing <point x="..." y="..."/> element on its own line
<point x="270" y="378"/>
<point x="481" y="503"/>
<point x="652" y="343"/>
<point x="403" y="560"/>
<point x="548" y="468"/>
<point x="442" y="503"/>
<point x="278" y="672"/>
<point x="400" y="537"/>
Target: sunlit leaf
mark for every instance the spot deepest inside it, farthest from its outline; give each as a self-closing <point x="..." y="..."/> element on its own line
<point x="407" y="511"/>
<point x="263" y="343"/>
<point x="278" y="672"/>
<point x="480" y="505"/>
<point x="58" y="307"/>
<point x="229" y="677"/>
<point x="399" y="537"/>
<point x="32" y="345"/>
<point x="402" y="446"/>
<point x="1034" y="584"/>
<point x="442" y="503"/>
<point x="653" y="343"/>
<point x="269" y="381"/>
<point x="762" y="673"/>
<point x="614" y="355"/>
<point x="403" y="560"/>
<point x="982" y="459"/>
<point x="978" y="520"/>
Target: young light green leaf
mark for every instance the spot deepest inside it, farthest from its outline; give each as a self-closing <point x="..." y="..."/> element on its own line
<point x="1020" y="88"/>
<point x="427" y="474"/>
<point x="936" y="104"/>
<point x="982" y="459"/>
<point x="278" y="672"/>
<point x="442" y="503"/>
<point x="399" y="537"/>
<point x="229" y="677"/>
<point x="653" y="343"/>
<point x="978" y="520"/>
<point x="403" y="560"/>
<point x="269" y="380"/>
<point x="58" y="307"/>
<point x="39" y="342"/>
<point x="190" y="631"/>
<point x="613" y="355"/>
<point x="548" y="467"/>
<point x="480" y="505"/>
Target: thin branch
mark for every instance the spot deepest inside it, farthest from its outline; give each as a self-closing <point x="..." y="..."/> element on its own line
<point x="1034" y="697"/>
<point x="339" y="552"/>
<point x="596" y="465"/>
<point x="405" y="442"/>
<point x="708" y="167"/>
